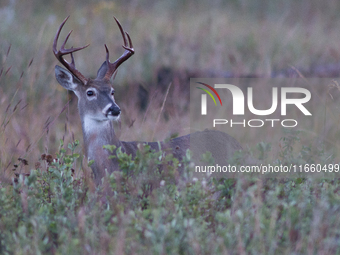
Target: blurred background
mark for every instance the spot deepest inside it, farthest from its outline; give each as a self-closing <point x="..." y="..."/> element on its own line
<point x="174" y="40"/>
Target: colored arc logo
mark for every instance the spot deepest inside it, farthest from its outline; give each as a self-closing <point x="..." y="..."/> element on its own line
<point x="208" y="92"/>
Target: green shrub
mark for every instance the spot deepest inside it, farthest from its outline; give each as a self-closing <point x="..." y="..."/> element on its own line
<point x="151" y="208"/>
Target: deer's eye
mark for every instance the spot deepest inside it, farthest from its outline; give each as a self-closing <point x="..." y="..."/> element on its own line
<point x="112" y="92"/>
<point x="90" y="93"/>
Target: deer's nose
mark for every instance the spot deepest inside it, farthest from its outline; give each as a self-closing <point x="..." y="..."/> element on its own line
<point x="114" y="110"/>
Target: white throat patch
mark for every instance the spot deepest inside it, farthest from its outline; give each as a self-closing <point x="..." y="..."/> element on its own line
<point x="91" y="125"/>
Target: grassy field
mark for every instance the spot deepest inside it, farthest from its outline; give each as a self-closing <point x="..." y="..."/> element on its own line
<point x="57" y="209"/>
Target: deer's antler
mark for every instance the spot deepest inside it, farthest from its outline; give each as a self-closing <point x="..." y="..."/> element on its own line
<point x="129" y="51"/>
<point x="60" y="53"/>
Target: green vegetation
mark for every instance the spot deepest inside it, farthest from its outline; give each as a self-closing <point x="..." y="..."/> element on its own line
<point x="148" y="209"/>
<point x="48" y="201"/>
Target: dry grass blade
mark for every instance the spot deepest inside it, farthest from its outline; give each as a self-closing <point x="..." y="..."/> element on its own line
<point x="160" y="112"/>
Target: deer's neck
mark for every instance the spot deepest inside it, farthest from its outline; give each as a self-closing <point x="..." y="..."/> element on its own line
<point x="96" y="134"/>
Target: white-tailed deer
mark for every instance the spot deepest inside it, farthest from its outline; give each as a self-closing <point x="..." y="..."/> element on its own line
<point x="97" y="109"/>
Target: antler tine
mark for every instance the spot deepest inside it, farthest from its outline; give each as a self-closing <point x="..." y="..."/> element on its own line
<point x="130" y="42"/>
<point x="60" y="53"/>
<point x="57" y="35"/>
<point x="121" y="30"/>
<point x="107" y="54"/>
<point x="129" y="51"/>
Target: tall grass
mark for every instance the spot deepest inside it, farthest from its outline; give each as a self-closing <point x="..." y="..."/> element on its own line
<point x="240" y="37"/>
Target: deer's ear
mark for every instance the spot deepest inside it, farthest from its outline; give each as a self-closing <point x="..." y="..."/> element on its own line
<point x="103" y="70"/>
<point x="66" y="78"/>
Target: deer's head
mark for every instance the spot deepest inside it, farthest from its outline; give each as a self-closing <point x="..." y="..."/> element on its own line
<point x="95" y="96"/>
